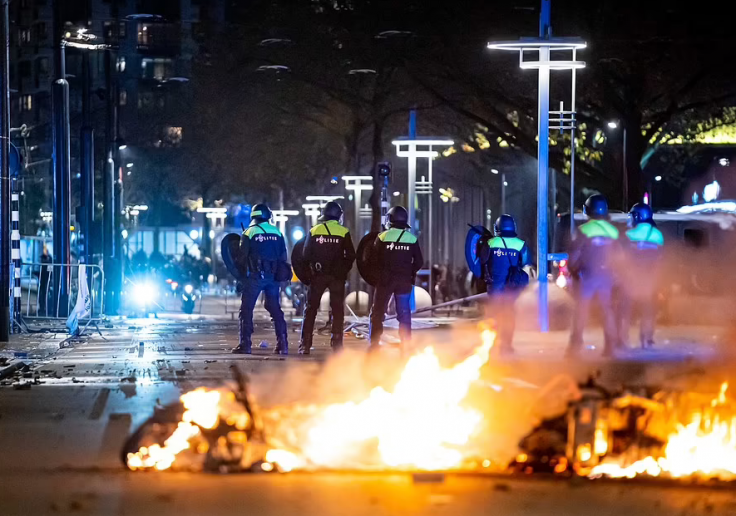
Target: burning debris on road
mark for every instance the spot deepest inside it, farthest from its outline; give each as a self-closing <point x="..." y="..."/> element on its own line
<point x="424" y="423"/>
<point x="667" y="434"/>
<point x="439" y="417"/>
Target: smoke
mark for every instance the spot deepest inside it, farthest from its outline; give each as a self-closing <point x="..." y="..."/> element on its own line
<point x="292" y="398"/>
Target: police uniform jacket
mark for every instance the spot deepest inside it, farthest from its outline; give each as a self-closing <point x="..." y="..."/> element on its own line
<point x="398" y="257"/>
<point x="262" y="248"/>
<point x="499" y="254"/>
<point x="329" y="249"/>
<point x="595" y="250"/>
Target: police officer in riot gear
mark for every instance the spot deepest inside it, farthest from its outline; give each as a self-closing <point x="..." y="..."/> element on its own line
<point x="593" y="253"/>
<point x="329" y="252"/>
<point x="638" y="277"/>
<point x="262" y="257"/>
<point x="398" y="258"/>
<point x="500" y="256"/>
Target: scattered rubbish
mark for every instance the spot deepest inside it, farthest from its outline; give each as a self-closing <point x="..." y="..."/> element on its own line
<point x="20" y="354"/>
<point x="263" y="344"/>
<point x="209" y="361"/>
<point x="3" y="361"/>
<point x="74" y="380"/>
<point x="187" y="349"/>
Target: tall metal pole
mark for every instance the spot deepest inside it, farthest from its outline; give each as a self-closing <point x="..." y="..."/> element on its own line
<point x="430" y="224"/>
<point x="626" y="175"/>
<point x="572" y="149"/>
<point x="87" y="156"/>
<point x="108" y="182"/>
<point x="62" y="165"/>
<point x="412" y="169"/>
<point x="357" y="197"/>
<point x="503" y="193"/>
<point x="5" y="176"/>
<point x="545" y="30"/>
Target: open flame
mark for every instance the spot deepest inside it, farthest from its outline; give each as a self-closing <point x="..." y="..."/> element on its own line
<point x="203" y="410"/>
<point x="424" y="422"/>
<point x="421" y="423"/>
<point x="704" y="447"/>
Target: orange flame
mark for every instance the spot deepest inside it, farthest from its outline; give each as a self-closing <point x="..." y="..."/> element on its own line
<point x="421" y="424"/>
<point x="706" y="447"/>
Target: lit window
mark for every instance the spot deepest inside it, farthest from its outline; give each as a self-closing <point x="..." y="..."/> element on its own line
<point x="25" y="36"/>
<point x="26" y="102"/>
<point x="159" y="68"/>
<point x="123" y="97"/>
<point x="121" y="64"/>
<point x="172" y="135"/>
<point x="144" y="36"/>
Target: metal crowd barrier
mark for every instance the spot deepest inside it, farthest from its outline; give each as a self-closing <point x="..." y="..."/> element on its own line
<point x="41" y="297"/>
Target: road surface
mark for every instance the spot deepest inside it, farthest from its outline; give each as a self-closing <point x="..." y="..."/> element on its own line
<point x="61" y="439"/>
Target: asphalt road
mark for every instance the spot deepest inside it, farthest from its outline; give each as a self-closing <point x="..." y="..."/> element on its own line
<point x="60" y="440"/>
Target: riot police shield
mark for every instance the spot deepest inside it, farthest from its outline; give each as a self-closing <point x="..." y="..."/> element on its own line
<point x="476" y="237"/>
<point x="366" y="262"/>
<point x="230" y="248"/>
<point x="300" y="265"/>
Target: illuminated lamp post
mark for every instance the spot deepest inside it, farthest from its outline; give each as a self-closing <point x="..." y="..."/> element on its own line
<point x="545" y="47"/>
<point x="280" y="217"/>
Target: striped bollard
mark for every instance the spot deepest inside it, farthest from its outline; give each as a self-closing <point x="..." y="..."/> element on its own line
<point x="15" y="254"/>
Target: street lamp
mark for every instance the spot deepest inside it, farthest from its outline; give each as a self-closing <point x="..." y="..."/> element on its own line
<point x="504" y="184"/>
<point x="413" y="147"/>
<point x="282" y="216"/>
<point x="614" y="124"/>
<point x="546" y="47"/>
<point x="358" y="184"/>
<point x="312" y="211"/>
<point x="448" y="197"/>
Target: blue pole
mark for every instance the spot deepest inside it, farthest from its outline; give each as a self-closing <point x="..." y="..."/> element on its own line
<point x="545" y="30"/>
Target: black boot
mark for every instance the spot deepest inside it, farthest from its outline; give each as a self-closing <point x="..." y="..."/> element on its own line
<point x="245" y="346"/>
<point x="282" y="345"/>
<point x="336" y="342"/>
<point x="305" y="346"/>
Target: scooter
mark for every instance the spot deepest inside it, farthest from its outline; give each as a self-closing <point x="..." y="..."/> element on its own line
<point x="189" y="296"/>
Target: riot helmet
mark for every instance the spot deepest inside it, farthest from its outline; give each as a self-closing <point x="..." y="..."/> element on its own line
<point x="398" y="217"/>
<point x="640" y="213"/>
<point x="596" y="207"/>
<point x="331" y="211"/>
<point x="261" y="213"/>
<point x="505" y="226"/>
